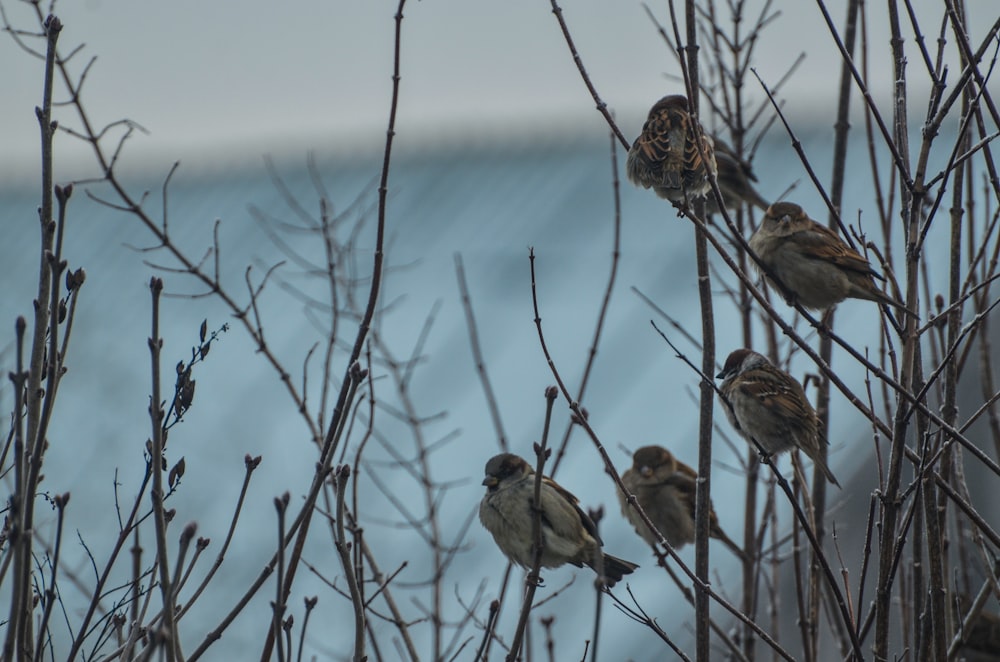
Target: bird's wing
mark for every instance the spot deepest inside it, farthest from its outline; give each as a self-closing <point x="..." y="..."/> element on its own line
<point x="559" y="498"/>
<point x="783" y="395"/>
<point x="821" y="243"/>
<point x="660" y="147"/>
<point x="694" y="164"/>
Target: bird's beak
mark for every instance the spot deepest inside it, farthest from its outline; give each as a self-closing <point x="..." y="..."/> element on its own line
<point x="645" y="472"/>
<point x="722" y="373"/>
<point x="490" y="481"/>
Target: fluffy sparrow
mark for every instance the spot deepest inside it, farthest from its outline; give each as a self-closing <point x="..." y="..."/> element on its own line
<point x="568" y="534"/>
<point x="770" y="406"/>
<point x="665" y="487"/>
<point x="812" y="263"/>
<point x="734" y="179"/>
<point x="665" y="156"/>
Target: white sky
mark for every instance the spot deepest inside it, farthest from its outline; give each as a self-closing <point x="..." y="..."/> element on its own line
<point x="209" y="79"/>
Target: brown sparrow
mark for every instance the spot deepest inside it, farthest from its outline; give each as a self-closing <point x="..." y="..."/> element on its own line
<point x="768" y="405"/>
<point x="568" y="534"/>
<point x="734" y="179"/>
<point x="665" y="487"/>
<point x="981" y="641"/>
<point x="812" y="263"/>
<point x="665" y="156"/>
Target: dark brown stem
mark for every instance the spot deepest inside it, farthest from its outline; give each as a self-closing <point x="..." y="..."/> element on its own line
<point x="60" y="502"/>
<point x="890" y="500"/>
<point x="20" y="628"/>
<point x="532" y="580"/>
<point x="343" y="550"/>
<point x="156" y="452"/>
<point x="344" y="400"/>
<point x="250" y="463"/>
<point x="491" y="621"/>
<point x="819" y="488"/>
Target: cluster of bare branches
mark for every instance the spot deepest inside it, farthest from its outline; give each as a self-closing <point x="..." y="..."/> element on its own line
<point x="924" y="582"/>
<point x="922" y="518"/>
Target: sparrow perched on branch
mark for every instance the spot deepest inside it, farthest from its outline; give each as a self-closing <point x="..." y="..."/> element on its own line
<point x="665" y="488"/>
<point x="734" y="179"/>
<point x="666" y="156"/>
<point x="769" y="405"/>
<point x="568" y="534"/>
<point x="811" y="263"/>
<point x="981" y="637"/>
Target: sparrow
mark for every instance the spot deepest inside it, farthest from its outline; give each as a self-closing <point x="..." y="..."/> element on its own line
<point x="812" y="263"/>
<point x="665" y="156"/>
<point x="981" y="640"/>
<point x="734" y="177"/>
<point x="665" y="488"/>
<point x="768" y="405"/>
<point x="568" y="534"/>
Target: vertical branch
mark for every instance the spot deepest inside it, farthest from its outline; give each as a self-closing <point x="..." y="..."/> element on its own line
<point x="156" y="459"/>
<point x="35" y="393"/>
<point x="491" y="620"/>
<point x="531" y="583"/>
<point x="807" y="626"/>
<point x="278" y="606"/>
<point x="934" y="610"/>
<point x="20" y="635"/>
<point x="354" y="373"/>
<point x="703" y="504"/>
<point x="344" y="550"/>
<point x="17" y="534"/>
<point x="60" y="501"/>
<point x="599" y="589"/>
<point x="934" y="502"/>
<point x="841" y="130"/>
<point x="890" y="499"/>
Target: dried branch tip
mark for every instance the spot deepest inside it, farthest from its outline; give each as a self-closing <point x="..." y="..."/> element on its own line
<point x="357" y="372"/>
<point x="188" y="533"/>
<point x="538" y="450"/>
<point x="74" y="279"/>
<point x="63" y="193"/>
<point x="52" y="24"/>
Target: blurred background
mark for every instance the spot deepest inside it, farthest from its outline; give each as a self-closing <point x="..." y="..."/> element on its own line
<point x="499" y="148"/>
